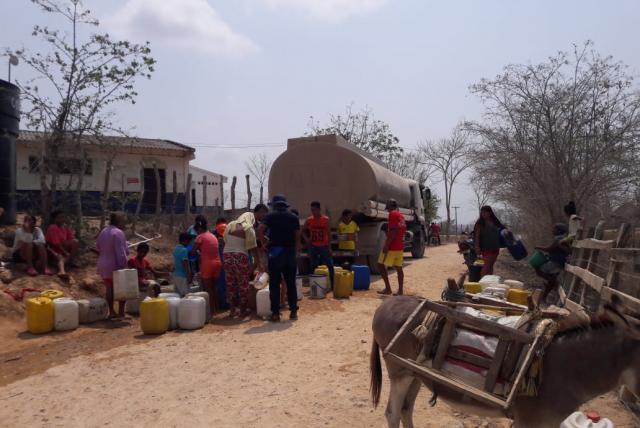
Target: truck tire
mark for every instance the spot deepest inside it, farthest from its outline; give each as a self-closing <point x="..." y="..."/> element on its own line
<point x="417" y="250"/>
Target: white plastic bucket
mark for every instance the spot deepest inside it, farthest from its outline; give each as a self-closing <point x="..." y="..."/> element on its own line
<point x="299" y="287"/>
<point x="318" y="285"/>
<point x="512" y="283"/>
<point x="92" y="310"/>
<point x="174" y="303"/>
<point x="263" y="302"/>
<point x="192" y="313"/>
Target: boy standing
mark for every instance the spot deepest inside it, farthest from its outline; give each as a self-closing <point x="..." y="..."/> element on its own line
<point x="182" y="275"/>
<point x="393" y="252"/>
<point x="317" y="235"/>
<point x="348" y="231"/>
<point x="557" y="252"/>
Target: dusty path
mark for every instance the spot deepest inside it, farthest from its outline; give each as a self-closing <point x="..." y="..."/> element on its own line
<point x="311" y="373"/>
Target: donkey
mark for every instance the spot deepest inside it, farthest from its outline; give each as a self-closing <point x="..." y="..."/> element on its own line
<point x="578" y="365"/>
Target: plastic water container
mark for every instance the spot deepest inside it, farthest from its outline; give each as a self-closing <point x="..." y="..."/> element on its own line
<point x="39" y="315"/>
<point x="132" y="307"/>
<point x="65" y="314"/>
<point x="343" y="285"/>
<point x="92" y="310"/>
<point x="512" y="283"/>
<point x="537" y="259"/>
<point x="303" y="280"/>
<point x="261" y="281"/>
<point x="472" y="287"/>
<point x="517" y="296"/>
<point x="361" y="277"/>
<point x="586" y="420"/>
<point x="154" y="316"/>
<point x="174" y="303"/>
<point x="318" y="285"/>
<point x="263" y="302"/>
<point x="52" y="294"/>
<point x="168" y="288"/>
<point x="192" y="313"/>
<point x="167" y="295"/>
<point x="205" y="296"/>
<point x="495" y="291"/>
<point x="299" y="281"/>
<point x="125" y="284"/>
<point x="489" y="281"/>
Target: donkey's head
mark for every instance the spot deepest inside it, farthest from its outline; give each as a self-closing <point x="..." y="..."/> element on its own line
<point x="629" y="323"/>
<point x="623" y="317"/>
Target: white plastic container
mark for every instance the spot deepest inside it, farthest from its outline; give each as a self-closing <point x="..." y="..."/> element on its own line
<point x="489" y="280"/>
<point x="65" y="314"/>
<point x="263" y="302"/>
<point x="261" y="281"/>
<point x="174" y="304"/>
<point x="499" y="291"/>
<point x="92" y="310"/>
<point x="581" y="420"/>
<point x="205" y="296"/>
<point x="132" y="307"/>
<point x="192" y="313"/>
<point x="125" y="284"/>
<point x="167" y="295"/>
<point x="512" y="283"/>
<point x="318" y="285"/>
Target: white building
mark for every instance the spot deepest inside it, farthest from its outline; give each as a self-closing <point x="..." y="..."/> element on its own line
<point x="133" y="161"/>
<point x="206" y="189"/>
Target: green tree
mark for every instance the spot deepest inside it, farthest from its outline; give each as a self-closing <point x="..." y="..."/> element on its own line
<point x="362" y="130"/>
<point x="74" y="84"/>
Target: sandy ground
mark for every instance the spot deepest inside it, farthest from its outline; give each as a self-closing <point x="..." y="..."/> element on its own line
<point x="309" y="373"/>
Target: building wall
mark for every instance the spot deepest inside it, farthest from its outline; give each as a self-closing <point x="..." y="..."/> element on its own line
<point x="213" y="188"/>
<point x="125" y="176"/>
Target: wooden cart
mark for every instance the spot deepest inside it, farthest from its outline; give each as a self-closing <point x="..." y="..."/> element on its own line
<point x="513" y="356"/>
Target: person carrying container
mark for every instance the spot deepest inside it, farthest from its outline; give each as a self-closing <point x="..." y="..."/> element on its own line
<point x="318" y="237"/>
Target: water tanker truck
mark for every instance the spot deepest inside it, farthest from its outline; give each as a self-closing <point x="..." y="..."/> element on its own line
<point x="340" y="176"/>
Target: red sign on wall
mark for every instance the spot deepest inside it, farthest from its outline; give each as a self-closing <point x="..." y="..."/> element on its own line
<point x="133" y="180"/>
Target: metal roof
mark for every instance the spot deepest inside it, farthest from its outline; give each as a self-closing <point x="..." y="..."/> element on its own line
<point x="133" y="142"/>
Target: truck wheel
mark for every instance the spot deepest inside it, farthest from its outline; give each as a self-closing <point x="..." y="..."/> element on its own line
<point x="417" y="250"/>
<point x="372" y="261"/>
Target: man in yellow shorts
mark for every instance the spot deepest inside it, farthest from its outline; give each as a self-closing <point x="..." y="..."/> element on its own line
<point x="393" y="251"/>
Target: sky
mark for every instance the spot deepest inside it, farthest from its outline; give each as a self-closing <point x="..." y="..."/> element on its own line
<point x="238" y="73"/>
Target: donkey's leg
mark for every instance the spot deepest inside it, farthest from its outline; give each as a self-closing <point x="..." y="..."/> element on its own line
<point x="409" y="403"/>
<point x="398" y="392"/>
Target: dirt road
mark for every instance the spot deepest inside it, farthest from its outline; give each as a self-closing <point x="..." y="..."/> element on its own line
<point x="310" y="373"/>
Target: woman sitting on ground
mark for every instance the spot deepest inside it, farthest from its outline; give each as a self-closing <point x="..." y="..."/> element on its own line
<point x="486" y="235"/>
<point x="29" y="244"/>
<point x="61" y="242"/>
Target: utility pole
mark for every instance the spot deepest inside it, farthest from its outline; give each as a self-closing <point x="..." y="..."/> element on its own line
<point x="456" y="214"/>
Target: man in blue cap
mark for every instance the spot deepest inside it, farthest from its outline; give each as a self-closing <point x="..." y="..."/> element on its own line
<point x="283" y="248"/>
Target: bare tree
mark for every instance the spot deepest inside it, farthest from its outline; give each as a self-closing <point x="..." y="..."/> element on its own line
<point x="259" y="166"/>
<point x="481" y="190"/>
<point x="564" y="129"/>
<point x="449" y="158"/>
<point x="411" y="165"/>
<point x="361" y="129"/>
<point x="74" y="84"/>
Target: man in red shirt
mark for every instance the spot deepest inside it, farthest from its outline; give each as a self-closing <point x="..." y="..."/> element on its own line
<point x="61" y="242"/>
<point x="435" y="231"/>
<point x="140" y="263"/>
<point x="318" y="236"/>
<point x="393" y="251"/>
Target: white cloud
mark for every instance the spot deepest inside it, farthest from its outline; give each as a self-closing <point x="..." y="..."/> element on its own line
<point x="331" y="10"/>
<point x="185" y="24"/>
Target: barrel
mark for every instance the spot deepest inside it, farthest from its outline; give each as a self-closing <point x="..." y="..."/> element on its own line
<point x="9" y="128"/>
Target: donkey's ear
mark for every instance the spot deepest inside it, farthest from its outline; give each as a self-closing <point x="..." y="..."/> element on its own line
<point x="615" y="311"/>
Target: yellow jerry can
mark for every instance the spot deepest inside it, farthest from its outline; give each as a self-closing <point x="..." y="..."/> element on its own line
<point x="154" y="316"/>
<point x="39" y="315"/>
<point x="517" y="296"/>
<point x="472" y="287"/>
<point x="52" y="294"/>
<point x="343" y="285"/>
